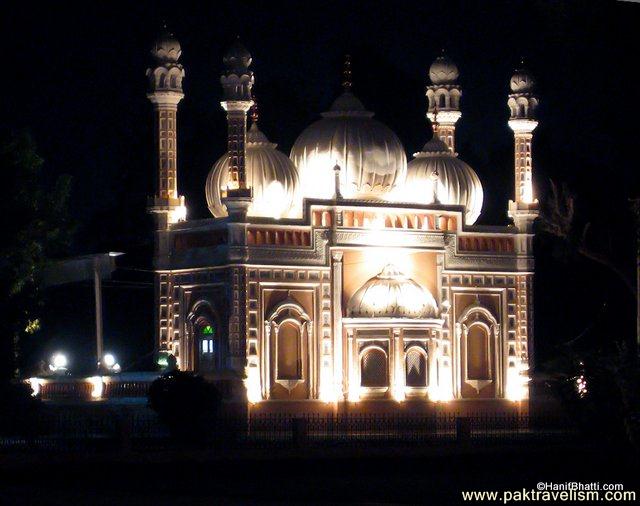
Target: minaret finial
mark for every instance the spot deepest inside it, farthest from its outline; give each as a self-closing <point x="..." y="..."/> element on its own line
<point x="255" y="113"/>
<point x="434" y="122"/>
<point x="347" y="82"/>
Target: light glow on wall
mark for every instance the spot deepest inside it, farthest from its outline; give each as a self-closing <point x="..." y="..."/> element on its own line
<point x="517" y="380"/>
<point x="178" y="213"/>
<point x="273" y="202"/>
<point x="398" y="393"/>
<point x="354" y="392"/>
<point x="252" y="385"/>
<point x="443" y="390"/>
<point x="36" y="385"/>
<point x="328" y="391"/>
<point x="527" y="196"/>
<point x="97" y="384"/>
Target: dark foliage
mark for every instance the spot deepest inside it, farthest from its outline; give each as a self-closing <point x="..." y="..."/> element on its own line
<point x="19" y="409"/>
<point x="186" y="402"/>
<point x="38" y="230"/>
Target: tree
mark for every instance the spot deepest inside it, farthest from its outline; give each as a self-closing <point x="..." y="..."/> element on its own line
<point x="558" y="218"/>
<point x="617" y="367"/>
<point x="37" y="228"/>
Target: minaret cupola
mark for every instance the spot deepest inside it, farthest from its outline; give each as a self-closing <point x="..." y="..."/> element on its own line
<point x="444" y="98"/>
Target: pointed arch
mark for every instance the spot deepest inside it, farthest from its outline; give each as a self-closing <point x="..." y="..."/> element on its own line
<point x="286" y="345"/>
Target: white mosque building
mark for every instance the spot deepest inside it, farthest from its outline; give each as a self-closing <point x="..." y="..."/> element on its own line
<point x="344" y="275"/>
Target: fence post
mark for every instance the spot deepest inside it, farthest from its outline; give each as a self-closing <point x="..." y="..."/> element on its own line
<point x="299" y="428"/>
<point x="463" y="429"/>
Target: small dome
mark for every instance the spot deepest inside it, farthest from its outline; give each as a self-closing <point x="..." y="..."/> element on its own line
<point x="443" y="71"/>
<point x="522" y="81"/>
<point x="370" y="155"/>
<point x="237" y="57"/>
<point x="270" y="173"/>
<point x="391" y="294"/>
<point x="457" y="183"/>
<point x="166" y="48"/>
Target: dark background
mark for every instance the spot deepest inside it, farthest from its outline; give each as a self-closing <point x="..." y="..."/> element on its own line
<point x="75" y="77"/>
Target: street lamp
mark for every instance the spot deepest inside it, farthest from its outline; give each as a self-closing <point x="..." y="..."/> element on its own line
<point x="110" y="363"/>
<point x="58" y="362"/>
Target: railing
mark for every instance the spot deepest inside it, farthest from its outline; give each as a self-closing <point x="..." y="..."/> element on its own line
<point x="142" y="430"/>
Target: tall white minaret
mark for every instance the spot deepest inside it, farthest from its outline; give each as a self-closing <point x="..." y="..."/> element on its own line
<point x="237" y="81"/>
<point x="522" y="106"/>
<point x="165" y="92"/>
<point x="444" y="98"/>
<point x="523" y="210"/>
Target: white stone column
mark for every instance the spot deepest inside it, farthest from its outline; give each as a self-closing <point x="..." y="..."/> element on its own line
<point x="399" y="380"/>
<point x="340" y="387"/>
<point x="353" y="384"/>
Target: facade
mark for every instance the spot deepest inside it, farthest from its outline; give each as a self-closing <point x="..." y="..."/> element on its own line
<point x="343" y="276"/>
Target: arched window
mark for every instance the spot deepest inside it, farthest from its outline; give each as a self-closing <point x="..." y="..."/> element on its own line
<point x="416" y="369"/>
<point x="208" y="345"/>
<point x="478" y="357"/>
<point x="161" y="81"/>
<point x="522" y="111"/>
<point x="373" y="368"/>
<point x="289" y="350"/>
<point x="173" y="82"/>
<point x="442" y="101"/>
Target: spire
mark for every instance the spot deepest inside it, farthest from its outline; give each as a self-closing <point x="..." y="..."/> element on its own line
<point x="346" y="74"/>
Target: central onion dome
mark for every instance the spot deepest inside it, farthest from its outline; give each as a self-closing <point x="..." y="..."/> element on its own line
<point x="270" y="173"/>
<point x="438" y="176"/>
<point x="371" y="157"/>
<point x="391" y="294"/>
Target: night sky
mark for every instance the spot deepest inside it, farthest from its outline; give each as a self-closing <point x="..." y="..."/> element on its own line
<point x="76" y="79"/>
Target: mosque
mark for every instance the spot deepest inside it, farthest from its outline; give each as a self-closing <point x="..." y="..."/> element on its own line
<point x="343" y="275"/>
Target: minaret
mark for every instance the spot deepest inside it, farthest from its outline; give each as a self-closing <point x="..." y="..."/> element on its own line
<point x="165" y="92"/>
<point x="523" y="210"/>
<point x="522" y="105"/>
<point x="237" y="81"/>
<point x="444" y="98"/>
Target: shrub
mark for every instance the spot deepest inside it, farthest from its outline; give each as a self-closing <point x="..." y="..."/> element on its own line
<point x="186" y="403"/>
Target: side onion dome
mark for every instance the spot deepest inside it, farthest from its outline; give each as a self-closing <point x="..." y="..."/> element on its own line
<point x="371" y="157"/>
<point x="166" y="47"/>
<point x="443" y="70"/>
<point x="391" y="294"/>
<point x="522" y="81"/>
<point x="270" y="173"/>
<point x="438" y="176"/>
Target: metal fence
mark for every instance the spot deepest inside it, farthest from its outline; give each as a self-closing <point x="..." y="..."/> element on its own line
<point x="143" y="431"/>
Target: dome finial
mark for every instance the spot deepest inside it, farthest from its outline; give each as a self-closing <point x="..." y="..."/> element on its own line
<point x="435" y="176"/>
<point x="337" y="194"/>
<point x="347" y="82"/>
